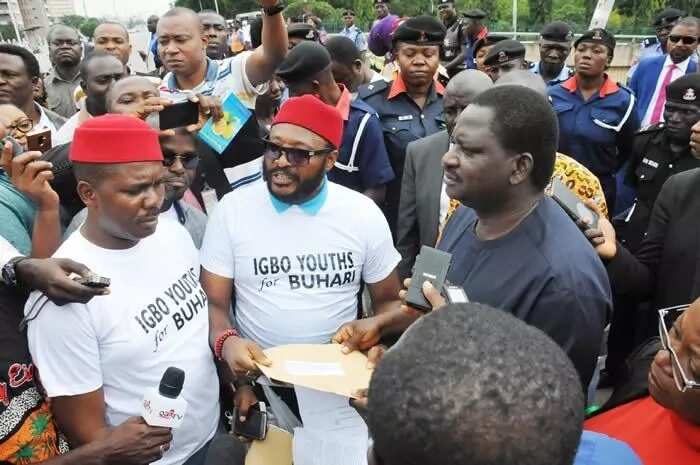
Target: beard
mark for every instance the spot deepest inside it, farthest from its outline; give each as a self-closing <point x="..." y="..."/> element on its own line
<point x="305" y="189"/>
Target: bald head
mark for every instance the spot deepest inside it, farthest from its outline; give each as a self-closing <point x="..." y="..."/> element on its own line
<point x="183" y="13"/>
<point x="524" y="78"/>
<point x="462" y="89"/>
<point x="128" y="95"/>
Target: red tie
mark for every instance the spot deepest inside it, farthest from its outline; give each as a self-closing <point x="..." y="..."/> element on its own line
<point x="661" y="99"/>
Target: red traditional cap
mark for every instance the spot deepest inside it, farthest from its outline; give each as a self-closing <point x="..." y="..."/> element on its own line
<point x="311" y="113"/>
<point x="115" y="139"/>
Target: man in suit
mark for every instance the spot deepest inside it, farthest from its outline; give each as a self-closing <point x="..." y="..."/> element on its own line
<point x="654" y="74"/>
<point x="424" y="202"/>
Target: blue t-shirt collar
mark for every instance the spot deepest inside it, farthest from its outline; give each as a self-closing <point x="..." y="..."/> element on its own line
<point x="311" y="206"/>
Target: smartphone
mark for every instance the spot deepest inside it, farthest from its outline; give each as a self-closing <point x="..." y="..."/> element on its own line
<point x="455" y="294"/>
<point x="94" y="281"/>
<point x="255" y="424"/>
<point x="179" y="115"/>
<point x="572" y="205"/>
<point x="39" y="140"/>
<point x="17" y="148"/>
<point x="431" y="265"/>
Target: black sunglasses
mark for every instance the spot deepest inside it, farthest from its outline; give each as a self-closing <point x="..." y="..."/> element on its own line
<point x="295" y="157"/>
<point x="189" y="160"/>
<point x="687" y="40"/>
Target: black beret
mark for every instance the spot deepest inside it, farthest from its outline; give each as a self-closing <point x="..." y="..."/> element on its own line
<point x="348" y="11"/>
<point x="685" y="89"/>
<point x="598" y="36"/>
<point x="474" y="13"/>
<point x="504" y="51"/>
<point x="667" y="16"/>
<point x="301" y="31"/>
<point x="304" y="61"/>
<point x="557" y="31"/>
<point x="486" y="41"/>
<point x="421" y="30"/>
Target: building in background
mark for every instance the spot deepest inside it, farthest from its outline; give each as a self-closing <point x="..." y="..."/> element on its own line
<point x="11" y="15"/>
<point x="36" y="21"/>
<point x="59" y="8"/>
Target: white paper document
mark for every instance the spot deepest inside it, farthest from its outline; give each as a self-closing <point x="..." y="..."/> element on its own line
<point x="333" y="432"/>
<point x="313" y="368"/>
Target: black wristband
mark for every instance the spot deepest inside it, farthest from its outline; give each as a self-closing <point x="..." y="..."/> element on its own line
<point x="275" y="9"/>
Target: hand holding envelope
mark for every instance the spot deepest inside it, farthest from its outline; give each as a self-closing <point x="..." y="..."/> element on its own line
<point x="323" y="367"/>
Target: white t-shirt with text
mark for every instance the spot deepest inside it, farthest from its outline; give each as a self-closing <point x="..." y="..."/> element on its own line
<point x="156" y="316"/>
<point x="297" y="275"/>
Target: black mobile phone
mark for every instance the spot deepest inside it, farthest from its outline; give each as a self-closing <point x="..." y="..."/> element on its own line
<point x="255" y="424"/>
<point x="179" y="115"/>
<point x="39" y="140"/>
<point x="431" y="265"/>
<point x="572" y="205"/>
<point x="94" y="281"/>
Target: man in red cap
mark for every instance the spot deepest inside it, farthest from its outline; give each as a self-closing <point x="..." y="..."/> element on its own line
<point x="96" y="360"/>
<point x="294" y="251"/>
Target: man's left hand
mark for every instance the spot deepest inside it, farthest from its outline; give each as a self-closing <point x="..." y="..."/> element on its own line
<point x="209" y="107"/>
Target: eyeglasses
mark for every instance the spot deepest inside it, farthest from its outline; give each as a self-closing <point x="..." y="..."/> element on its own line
<point x="666" y="317"/>
<point x="687" y="40"/>
<point x="68" y="42"/>
<point x="189" y="160"/>
<point x="22" y="126"/>
<point x="295" y="157"/>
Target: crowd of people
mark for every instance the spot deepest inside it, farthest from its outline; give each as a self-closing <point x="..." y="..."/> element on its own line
<point x="306" y="227"/>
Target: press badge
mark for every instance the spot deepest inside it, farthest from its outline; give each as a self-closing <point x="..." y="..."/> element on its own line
<point x="406" y="118"/>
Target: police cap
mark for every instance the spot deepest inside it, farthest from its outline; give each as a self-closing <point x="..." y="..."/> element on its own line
<point x="598" y="36"/>
<point x="348" y="12"/>
<point x="474" y="13"/>
<point x="421" y="30"/>
<point x="504" y="51"/>
<point x="487" y="41"/>
<point x="444" y="2"/>
<point x="685" y="89"/>
<point x="304" y="61"/>
<point x="301" y="31"/>
<point x="557" y="31"/>
<point x="668" y="16"/>
<point x="378" y="2"/>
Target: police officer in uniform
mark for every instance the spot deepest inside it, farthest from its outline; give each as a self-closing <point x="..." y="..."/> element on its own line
<point x="454" y="50"/>
<point x="507" y="55"/>
<point x="482" y="48"/>
<point x="654" y="46"/>
<point x="555" y="47"/>
<point x="597" y="117"/>
<point x="410" y="106"/>
<point x="300" y="32"/>
<point x="474" y="30"/>
<point x="660" y="151"/>
<point x="363" y="164"/>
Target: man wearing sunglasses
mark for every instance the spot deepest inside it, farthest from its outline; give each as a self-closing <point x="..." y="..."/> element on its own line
<point x="656" y="46"/>
<point x="654" y="74"/>
<point x="293" y="251"/>
<point x="664" y="427"/>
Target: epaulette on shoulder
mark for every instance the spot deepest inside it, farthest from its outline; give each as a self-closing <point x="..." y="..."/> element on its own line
<point x="372" y="88"/>
<point x="656" y="127"/>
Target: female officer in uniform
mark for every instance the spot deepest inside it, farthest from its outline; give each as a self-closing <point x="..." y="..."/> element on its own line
<point x="597" y="120"/>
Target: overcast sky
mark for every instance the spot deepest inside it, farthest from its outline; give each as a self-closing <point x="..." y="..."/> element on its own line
<point x="121" y="8"/>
